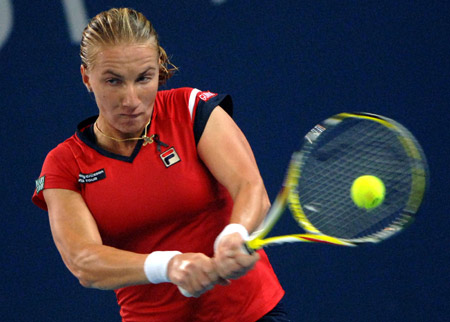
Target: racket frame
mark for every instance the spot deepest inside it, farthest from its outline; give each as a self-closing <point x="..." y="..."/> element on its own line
<point x="288" y="195"/>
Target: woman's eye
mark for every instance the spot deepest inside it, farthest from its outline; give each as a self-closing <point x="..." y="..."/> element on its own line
<point x="144" y="79"/>
<point x="113" y="81"/>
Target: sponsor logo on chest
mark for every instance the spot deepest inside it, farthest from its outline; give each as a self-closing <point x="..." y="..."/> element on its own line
<point x="92" y="177"/>
<point x="170" y="157"/>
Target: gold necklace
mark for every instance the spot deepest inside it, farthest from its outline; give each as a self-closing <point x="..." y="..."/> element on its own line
<point x="147" y="139"/>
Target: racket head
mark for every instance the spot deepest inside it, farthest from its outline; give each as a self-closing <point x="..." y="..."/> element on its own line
<point x="339" y="150"/>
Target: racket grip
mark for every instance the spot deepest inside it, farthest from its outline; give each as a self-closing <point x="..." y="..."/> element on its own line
<point x="247" y="249"/>
<point x="184" y="292"/>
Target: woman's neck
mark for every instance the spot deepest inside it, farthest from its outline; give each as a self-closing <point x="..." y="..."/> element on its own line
<point x="124" y="148"/>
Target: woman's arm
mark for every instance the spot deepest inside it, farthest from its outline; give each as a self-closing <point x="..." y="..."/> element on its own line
<point x="227" y="154"/>
<point x="99" y="266"/>
<point x="78" y="241"/>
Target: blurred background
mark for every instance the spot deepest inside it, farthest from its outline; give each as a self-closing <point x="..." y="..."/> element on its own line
<point x="287" y="65"/>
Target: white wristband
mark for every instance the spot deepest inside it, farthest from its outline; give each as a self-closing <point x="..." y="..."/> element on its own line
<point x="230" y="229"/>
<point x="155" y="266"/>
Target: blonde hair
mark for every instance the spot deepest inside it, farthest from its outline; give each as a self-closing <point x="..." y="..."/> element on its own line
<point x="120" y="26"/>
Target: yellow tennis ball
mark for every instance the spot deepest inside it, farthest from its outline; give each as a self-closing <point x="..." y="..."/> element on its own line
<point x="368" y="192"/>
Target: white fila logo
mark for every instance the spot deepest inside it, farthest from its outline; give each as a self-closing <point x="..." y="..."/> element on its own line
<point x="204" y="96"/>
<point x="170" y="157"/>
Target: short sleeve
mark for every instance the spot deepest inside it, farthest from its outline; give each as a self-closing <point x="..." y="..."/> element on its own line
<point x="201" y="105"/>
<point x="58" y="172"/>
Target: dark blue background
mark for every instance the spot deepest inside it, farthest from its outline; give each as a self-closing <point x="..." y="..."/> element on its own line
<point x="288" y="65"/>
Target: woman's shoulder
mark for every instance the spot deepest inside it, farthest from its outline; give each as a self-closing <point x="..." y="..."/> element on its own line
<point x="68" y="149"/>
<point x="173" y="102"/>
<point x="178" y="94"/>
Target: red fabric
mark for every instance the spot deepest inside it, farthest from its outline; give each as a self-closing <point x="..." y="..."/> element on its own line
<point x="144" y="206"/>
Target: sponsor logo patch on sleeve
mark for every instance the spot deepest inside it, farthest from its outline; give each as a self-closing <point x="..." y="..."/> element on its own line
<point x="40" y="182"/>
<point x="205" y="96"/>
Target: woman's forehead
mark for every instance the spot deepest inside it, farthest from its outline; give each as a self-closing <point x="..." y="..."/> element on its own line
<point x="124" y="56"/>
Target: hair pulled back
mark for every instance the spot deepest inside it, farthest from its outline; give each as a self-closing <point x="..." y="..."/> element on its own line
<point x="122" y="26"/>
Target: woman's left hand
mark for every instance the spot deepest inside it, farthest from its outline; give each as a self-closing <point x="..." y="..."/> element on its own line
<point x="231" y="259"/>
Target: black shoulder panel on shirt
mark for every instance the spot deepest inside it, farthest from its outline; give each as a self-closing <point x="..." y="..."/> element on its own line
<point x="204" y="110"/>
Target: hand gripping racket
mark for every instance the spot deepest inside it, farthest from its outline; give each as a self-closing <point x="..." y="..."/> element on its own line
<point x="317" y="185"/>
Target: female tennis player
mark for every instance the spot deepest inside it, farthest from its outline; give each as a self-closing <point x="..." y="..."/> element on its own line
<point x="154" y="196"/>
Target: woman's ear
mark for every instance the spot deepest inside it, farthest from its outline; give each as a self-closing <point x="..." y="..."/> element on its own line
<point x="85" y="78"/>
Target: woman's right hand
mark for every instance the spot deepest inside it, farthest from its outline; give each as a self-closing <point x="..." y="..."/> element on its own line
<point x="194" y="273"/>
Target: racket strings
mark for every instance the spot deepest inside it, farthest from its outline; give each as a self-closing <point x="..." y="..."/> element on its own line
<point x="331" y="164"/>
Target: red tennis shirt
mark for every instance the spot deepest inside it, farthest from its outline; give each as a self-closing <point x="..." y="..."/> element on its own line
<point x="160" y="198"/>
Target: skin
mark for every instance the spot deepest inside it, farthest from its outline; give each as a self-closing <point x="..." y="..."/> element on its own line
<point x="124" y="81"/>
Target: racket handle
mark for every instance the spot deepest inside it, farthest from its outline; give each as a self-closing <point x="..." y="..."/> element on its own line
<point x="184" y="292"/>
<point x="247" y="249"/>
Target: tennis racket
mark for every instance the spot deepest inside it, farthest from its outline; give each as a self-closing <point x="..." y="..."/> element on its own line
<point x="316" y="188"/>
